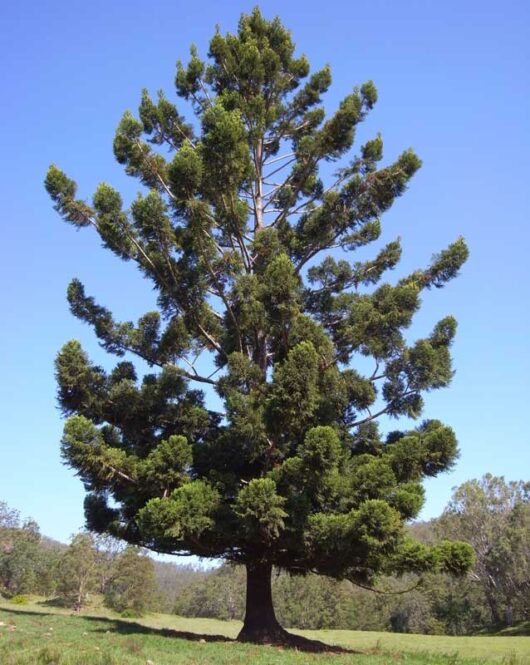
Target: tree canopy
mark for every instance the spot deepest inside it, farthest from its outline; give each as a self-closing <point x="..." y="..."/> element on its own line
<point x="494" y="516"/>
<point x="246" y="239"/>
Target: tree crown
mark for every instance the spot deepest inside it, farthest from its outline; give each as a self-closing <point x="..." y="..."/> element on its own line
<point x="247" y="247"/>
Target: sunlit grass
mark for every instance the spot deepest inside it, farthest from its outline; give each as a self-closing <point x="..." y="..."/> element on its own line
<point x="34" y="633"/>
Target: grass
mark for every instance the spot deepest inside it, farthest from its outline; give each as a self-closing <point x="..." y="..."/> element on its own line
<point x="35" y="634"/>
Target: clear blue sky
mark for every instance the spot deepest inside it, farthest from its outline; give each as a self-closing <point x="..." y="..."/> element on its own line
<point x="453" y="83"/>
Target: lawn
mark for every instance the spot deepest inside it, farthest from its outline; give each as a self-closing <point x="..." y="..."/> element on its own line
<point x="36" y="634"/>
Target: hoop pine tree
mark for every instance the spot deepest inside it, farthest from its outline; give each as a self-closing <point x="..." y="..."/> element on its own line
<point x="247" y="248"/>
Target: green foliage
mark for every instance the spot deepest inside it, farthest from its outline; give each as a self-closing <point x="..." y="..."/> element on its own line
<point x="171" y="580"/>
<point x="218" y="595"/>
<point x="26" y="564"/>
<point x="132" y="586"/>
<point x="494" y="517"/>
<point x="247" y="249"/>
<point x="78" y="572"/>
<point x="260" y="509"/>
<point x="20" y="599"/>
<point x="187" y="513"/>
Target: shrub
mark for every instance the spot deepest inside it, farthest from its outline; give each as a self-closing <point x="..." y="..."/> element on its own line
<point x="20" y="599"/>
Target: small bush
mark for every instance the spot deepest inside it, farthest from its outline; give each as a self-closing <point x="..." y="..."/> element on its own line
<point x="20" y="600"/>
<point x="435" y="626"/>
<point x="129" y="613"/>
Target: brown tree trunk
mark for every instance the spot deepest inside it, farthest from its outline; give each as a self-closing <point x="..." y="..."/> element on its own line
<point x="260" y="625"/>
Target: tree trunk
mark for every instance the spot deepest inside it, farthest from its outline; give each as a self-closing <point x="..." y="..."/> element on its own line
<point x="260" y="625"/>
<point x="495" y="615"/>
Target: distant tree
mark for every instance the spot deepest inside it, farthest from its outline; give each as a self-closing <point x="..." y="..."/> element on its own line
<point x="171" y="580"/>
<point x="108" y="549"/>
<point x="219" y="595"/>
<point x="494" y="516"/>
<point x="458" y="605"/>
<point x="9" y="519"/>
<point x="313" y="602"/>
<point x="26" y="566"/>
<point x="132" y="585"/>
<point x="78" y="572"/>
<point x="19" y="561"/>
<point x="411" y="614"/>
<point x="246" y="246"/>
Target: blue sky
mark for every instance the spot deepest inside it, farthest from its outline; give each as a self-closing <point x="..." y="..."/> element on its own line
<point x="453" y="84"/>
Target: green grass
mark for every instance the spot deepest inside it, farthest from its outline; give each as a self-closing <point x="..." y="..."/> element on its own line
<point x="35" y="634"/>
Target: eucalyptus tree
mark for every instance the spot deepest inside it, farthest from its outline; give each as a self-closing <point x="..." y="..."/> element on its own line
<point x="493" y="515"/>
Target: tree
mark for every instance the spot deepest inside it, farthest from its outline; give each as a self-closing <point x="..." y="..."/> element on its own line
<point x="494" y="516"/>
<point x="108" y="550"/>
<point x="26" y="565"/>
<point x="78" y="571"/>
<point x="172" y="579"/>
<point x="246" y="247"/>
<point x="132" y="585"/>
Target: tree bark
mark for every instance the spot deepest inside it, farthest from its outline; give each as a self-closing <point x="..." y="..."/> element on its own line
<point x="260" y="625"/>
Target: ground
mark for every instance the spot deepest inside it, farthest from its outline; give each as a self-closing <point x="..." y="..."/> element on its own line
<point x="35" y="634"/>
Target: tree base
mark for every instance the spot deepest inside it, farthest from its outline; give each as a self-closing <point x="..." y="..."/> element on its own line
<point x="261" y="626"/>
<point x="263" y="634"/>
<point x="279" y="637"/>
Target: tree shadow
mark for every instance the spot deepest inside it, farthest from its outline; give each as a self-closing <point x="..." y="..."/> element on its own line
<point x="123" y="627"/>
<point x="520" y="629"/>
<point x="52" y="602"/>
<point x="130" y="627"/>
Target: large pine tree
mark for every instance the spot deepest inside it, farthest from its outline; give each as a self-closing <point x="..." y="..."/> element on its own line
<point x="247" y="248"/>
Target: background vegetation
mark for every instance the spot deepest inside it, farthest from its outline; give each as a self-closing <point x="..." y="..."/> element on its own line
<point x="491" y="514"/>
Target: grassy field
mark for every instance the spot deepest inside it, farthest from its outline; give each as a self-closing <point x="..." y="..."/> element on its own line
<point x="34" y="634"/>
